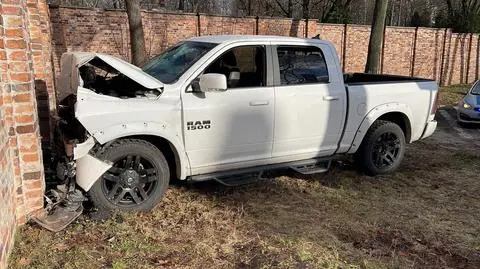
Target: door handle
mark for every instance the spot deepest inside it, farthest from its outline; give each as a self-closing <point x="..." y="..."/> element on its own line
<point x="259" y="103"/>
<point x="331" y="98"/>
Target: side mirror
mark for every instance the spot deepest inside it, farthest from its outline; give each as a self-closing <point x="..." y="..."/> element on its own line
<point x="212" y="82"/>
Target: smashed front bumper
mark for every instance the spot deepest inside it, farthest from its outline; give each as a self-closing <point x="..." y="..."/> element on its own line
<point x="88" y="167"/>
<point x="79" y="167"/>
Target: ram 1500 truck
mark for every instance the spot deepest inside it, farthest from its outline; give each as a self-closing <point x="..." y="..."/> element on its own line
<point x="227" y="108"/>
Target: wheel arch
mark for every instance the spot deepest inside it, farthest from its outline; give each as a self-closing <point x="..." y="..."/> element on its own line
<point x="397" y="113"/>
<point x="167" y="148"/>
<point x="170" y="145"/>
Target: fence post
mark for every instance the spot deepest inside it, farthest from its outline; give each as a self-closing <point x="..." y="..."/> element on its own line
<point x="256" y="25"/>
<point x="306" y="28"/>
<point x="412" y="68"/>
<point x="442" y="67"/>
<point x="383" y="49"/>
<point x="477" y="58"/>
<point x="199" y="33"/>
<point x="469" y="55"/>
<point x="344" y="50"/>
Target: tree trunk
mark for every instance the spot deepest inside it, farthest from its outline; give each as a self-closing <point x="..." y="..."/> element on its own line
<point x="376" y="37"/>
<point x="181" y="5"/>
<point x="137" y="37"/>
<point x="306" y="9"/>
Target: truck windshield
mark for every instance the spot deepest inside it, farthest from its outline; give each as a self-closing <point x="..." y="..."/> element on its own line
<point x="170" y="65"/>
<point x="476" y="89"/>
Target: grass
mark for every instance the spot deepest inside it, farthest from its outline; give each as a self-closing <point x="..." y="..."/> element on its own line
<point x="451" y="95"/>
<point x="426" y="215"/>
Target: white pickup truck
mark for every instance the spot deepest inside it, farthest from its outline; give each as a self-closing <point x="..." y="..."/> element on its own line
<point x="228" y="108"/>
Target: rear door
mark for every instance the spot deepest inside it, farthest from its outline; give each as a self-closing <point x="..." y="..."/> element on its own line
<point x="310" y="101"/>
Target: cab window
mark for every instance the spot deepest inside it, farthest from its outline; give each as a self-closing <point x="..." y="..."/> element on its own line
<point x="243" y="66"/>
<point x="301" y="65"/>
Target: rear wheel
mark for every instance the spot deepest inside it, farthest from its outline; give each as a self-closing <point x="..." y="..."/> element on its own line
<point x="137" y="180"/>
<point x="382" y="149"/>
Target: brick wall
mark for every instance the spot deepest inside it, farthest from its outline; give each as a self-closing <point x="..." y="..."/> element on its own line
<point x="25" y="74"/>
<point x="107" y="31"/>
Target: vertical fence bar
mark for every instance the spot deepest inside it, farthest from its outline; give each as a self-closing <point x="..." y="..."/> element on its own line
<point x="306" y="28"/>
<point x="383" y="49"/>
<point x="469" y="55"/>
<point x="477" y="58"/>
<point x="442" y="67"/>
<point x="256" y="25"/>
<point x="344" y="49"/>
<point x="412" y="66"/>
<point x="199" y="33"/>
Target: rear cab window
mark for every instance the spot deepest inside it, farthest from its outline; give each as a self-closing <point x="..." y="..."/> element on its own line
<point x="301" y="65"/>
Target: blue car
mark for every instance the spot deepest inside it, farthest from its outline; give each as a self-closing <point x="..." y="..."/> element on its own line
<point x="468" y="109"/>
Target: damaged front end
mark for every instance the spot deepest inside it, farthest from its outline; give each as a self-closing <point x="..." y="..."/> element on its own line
<point x="74" y="148"/>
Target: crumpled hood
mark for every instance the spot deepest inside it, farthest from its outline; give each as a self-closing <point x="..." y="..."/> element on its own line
<point x="105" y="116"/>
<point x="71" y="61"/>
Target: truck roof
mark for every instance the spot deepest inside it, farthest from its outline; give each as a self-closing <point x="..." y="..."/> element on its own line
<point x="234" y="38"/>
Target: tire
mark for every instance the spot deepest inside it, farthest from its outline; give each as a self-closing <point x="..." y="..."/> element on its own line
<point x="137" y="181"/>
<point x="382" y="149"/>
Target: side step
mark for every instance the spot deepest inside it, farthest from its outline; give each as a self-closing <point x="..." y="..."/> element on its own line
<point x="239" y="179"/>
<point x="309" y="167"/>
<point x="254" y="174"/>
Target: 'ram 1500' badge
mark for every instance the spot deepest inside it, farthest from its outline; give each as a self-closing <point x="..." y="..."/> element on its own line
<point x="198" y="125"/>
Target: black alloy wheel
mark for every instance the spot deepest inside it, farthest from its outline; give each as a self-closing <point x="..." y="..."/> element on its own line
<point x="130" y="182"/>
<point x="137" y="180"/>
<point x="386" y="150"/>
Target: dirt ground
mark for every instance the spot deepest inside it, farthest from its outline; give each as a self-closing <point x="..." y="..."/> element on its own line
<point x="426" y="215"/>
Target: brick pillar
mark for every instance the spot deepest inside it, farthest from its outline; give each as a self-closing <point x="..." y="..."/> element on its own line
<point x="24" y="62"/>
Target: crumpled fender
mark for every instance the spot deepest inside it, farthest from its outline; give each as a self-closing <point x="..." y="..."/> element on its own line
<point x="372" y="116"/>
<point x="90" y="168"/>
<point x="148" y="128"/>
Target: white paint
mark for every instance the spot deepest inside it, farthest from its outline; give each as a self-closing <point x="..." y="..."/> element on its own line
<point x="249" y="126"/>
<point x="82" y="149"/>
<point x="89" y="169"/>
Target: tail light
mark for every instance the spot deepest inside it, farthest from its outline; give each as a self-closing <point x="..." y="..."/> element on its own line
<point x="435" y="104"/>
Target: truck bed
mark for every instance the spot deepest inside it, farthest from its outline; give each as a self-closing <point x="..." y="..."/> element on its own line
<point x="366" y="92"/>
<point x="364" y="78"/>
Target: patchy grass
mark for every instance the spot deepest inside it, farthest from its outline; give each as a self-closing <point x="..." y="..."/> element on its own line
<point x="426" y="215"/>
<point x="451" y="95"/>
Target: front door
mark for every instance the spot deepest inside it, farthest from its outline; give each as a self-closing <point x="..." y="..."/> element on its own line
<point x="234" y="126"/>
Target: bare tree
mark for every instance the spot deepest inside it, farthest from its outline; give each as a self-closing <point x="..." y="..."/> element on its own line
<point x="137" y="37"/>
<point x="376" y="37"/>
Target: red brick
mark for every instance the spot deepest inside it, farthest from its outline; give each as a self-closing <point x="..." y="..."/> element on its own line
<point x="15" y="44"/>
<point x="19" y="67"/>
<point x="18" y="55"/>
<point x="23" y="77"/>
<point x="24" y="119"/>
<point x="30" y="157"/>
<point x="32" y="195"/>
<point x="13" y="21"/>
<point x="19" y="32"/>
<point x="24" y="97"/>
<point x="34" y="184"/>
<point x="24" y="129"/>
<point x="27" y="108"/>
<point x="11" y="10"/>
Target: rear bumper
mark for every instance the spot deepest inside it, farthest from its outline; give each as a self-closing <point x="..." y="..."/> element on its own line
<point x="429" y="129"/>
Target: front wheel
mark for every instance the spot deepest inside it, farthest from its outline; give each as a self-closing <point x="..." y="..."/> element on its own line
<point x="382" y="149"/>
<point x="137" y="180"/>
